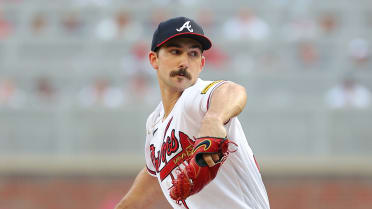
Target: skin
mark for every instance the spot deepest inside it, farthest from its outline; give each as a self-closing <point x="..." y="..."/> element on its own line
<point x="178" y="64"/>
<point x="144" y="192"/>
<point x="175" y="55"/>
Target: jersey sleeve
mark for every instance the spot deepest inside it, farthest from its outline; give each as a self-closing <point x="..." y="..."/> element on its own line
<point x="149" y="165"/>
<point x="207" y="93"/>
<point x="198" y="98"/>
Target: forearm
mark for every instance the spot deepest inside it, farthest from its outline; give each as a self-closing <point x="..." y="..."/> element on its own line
<point x="144" y="191"/>
<point x="212" y="126"/>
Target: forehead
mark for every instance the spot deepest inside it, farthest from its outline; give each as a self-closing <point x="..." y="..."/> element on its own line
<point x="183" y="42"/>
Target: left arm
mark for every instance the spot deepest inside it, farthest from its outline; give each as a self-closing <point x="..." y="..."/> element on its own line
<point x="227" y="101"/>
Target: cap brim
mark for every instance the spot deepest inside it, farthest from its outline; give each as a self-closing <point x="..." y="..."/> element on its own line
<point x="203" y="40"/>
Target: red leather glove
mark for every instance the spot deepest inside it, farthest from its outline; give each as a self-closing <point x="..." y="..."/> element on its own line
<point x="196" y="173"/>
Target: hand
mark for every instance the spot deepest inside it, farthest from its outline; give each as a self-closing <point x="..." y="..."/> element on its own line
<point x="211" y="159"/>
<point x="203" y="165"/>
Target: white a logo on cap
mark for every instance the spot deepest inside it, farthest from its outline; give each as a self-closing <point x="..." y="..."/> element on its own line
<point x="186" y="25"/>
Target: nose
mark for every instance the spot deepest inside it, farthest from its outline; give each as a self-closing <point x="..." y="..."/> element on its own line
<point x="184" y="61"/>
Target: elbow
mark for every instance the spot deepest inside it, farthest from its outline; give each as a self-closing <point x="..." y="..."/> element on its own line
<point x="240" y="94"/>
<point x="244" y="97"/>
<point x="243" y="93"/>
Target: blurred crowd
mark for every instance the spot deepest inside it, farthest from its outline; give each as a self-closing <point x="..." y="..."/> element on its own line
<point x="348" y="93"/>
<point x="245" y="40"/>
<point x="100" y="93"/>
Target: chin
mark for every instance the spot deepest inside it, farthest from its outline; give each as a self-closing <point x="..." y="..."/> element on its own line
<point x="181" y="86"/>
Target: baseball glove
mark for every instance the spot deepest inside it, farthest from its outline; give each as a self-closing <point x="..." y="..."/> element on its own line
<point x="196" y="173"/>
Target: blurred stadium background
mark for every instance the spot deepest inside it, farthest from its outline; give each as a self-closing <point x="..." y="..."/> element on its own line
<point x="75" y="90"/>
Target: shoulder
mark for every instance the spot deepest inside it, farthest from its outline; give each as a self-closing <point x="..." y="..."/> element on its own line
<point x="232" y="87"/>
<point x="204" y="87"/>
<point x="223" y="86"/>
<point x="199" y="95"/>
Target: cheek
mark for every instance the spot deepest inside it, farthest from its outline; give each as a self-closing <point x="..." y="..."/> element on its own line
<point x="195" y="72"/>
<point x="167" y="63"/>
<point x="165" y="68"/>
<point x="198" y="66"/>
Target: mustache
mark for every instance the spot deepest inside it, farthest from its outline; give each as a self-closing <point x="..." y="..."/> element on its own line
<point x="181" y="72"/>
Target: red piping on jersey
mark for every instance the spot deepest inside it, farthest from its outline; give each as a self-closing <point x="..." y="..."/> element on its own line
<point x="166" y="129"/>
<point x="208" y="101"/>
<point x="209" y="97"/>
<point x="258" y="166"/>
<point x="150" y="171"/>
<point x="184" y="204"/>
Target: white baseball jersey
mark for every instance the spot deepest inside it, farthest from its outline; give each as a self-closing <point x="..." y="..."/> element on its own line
<point x="238" y="183"/>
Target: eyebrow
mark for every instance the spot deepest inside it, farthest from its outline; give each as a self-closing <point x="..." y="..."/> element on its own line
<point x="197" y="46"/>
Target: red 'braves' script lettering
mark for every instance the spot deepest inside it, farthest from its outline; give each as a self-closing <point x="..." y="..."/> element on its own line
<point x="171" y="145"/>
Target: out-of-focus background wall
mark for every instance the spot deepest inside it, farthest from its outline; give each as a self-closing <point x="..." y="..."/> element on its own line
<point x="76" y="88"/>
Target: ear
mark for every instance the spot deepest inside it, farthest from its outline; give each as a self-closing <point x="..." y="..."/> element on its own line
<point x="202" y="64"/>
<point x="153" y="58"/>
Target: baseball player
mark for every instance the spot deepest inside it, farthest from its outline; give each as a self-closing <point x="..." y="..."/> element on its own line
<point x="197" y="156"/>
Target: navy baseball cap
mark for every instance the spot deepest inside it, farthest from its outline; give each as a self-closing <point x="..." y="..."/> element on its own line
<point x="176" y="27"/>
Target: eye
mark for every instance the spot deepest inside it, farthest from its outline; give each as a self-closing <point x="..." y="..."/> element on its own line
<point x="194" y="53"/>
<point x="175" y="51"/>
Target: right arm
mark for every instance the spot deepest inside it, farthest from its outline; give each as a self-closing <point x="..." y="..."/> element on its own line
<point x="143" y="193"/>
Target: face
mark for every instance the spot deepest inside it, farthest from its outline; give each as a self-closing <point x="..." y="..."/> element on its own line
<point x="178" y="63"/>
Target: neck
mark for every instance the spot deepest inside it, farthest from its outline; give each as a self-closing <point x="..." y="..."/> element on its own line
<point x="169" y="98"/>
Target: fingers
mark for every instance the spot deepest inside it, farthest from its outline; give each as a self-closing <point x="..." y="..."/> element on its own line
<point x="215" y="157"/>
<point x="208" y="159"/>
<point x="211" y="159"/>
